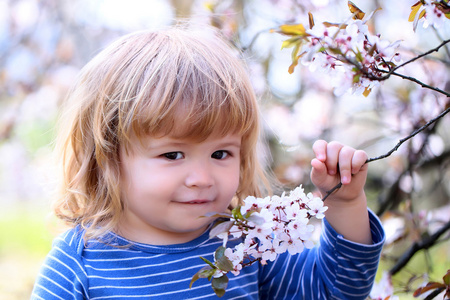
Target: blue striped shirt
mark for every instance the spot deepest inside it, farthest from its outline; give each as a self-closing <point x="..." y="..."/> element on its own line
<point x="335" y="269"/>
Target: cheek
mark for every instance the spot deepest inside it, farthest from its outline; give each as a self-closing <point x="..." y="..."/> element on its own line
<point x="234" y="179"/>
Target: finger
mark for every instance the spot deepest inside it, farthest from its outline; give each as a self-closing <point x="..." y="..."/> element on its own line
<point x="345" y="164"/>
<point x="333" y="149"/>
<point x="358" y="161"/>
<point x="318" y="172"/>
<point x="320" y="150"/>
<point x="318" y="166"/>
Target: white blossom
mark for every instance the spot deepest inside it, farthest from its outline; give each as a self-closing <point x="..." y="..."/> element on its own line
<point x="433" y="16"/>
<point x="271" y="226"/>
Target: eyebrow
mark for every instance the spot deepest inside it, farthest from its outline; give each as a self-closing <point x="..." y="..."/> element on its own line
<point x="175" y="144"/>
<point x="235" y="144"/>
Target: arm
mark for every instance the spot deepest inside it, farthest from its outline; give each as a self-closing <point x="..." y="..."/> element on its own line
<point x="337" y="269"/>
<point x="62" y="275"/>
<point x="347" y="207"/>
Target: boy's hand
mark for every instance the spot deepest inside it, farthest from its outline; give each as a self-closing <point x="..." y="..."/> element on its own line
<point x="336" y="163"/>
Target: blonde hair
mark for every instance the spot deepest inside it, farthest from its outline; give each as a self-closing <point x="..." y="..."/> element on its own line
<point x="137" y="85"/>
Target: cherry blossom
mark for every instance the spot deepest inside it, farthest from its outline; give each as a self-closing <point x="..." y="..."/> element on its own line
<point x="357" y="59"/>
<point x="383" y="289"/>
<point x="267" y="227"/>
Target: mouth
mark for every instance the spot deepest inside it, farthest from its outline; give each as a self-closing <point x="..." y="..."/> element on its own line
<point x="195" y="202"/>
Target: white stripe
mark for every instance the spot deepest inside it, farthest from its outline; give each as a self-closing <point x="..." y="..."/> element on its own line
<point x="148" y="275"/>
<point x="71" y="270"/>
<point x="62" y="276"/>
<point x="48" y="291"/>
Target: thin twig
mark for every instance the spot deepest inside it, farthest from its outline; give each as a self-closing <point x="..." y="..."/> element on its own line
<point x="388" y="74"/>
<point x="419" y="56"/>
<point x="414" y="133"/>
<point x="338" y="186"/>
<point x="424" y="85"/>
<point x="422" y="244"/>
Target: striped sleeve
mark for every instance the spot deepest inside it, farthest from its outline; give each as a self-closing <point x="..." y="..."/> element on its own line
<point x="348" y="267"/>
<point x="337" y="269"/>
<point x="62" y="275"/>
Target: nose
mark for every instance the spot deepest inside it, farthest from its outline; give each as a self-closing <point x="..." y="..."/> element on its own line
<point x="199" y="175"/>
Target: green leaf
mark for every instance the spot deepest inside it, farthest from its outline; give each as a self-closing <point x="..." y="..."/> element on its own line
<point x="222" y="262"/>
<point x="205" y="272"/>
<point x="219" y="285"/>
<point x="208" y="262"/>
<point x="359" y="56"/>
<point x="391" y="64"/>
<point x="292" y="42"/>
<point x="236" y="212"/>
<point x="194" y="279"/>
<point x="220" y="227"/>
<point x="335" y="50"/>
<point x="220" y="252"/>
<point x="447" y="278"/>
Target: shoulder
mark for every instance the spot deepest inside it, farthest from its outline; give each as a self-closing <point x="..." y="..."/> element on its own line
<point x="63" y="274"/>
<point x="71" y="240"/>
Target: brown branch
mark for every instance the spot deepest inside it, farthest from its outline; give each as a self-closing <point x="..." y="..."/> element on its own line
<point x="424" y="85"/>
<point x="417" y="246"/>
<point x="414" y="133"/>
<point x="392" y="71"/>
<point x="338" y="186"/>
<point x="436" y="49"/>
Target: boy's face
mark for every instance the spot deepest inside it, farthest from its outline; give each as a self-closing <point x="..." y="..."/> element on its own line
<point x="168" y="184"/>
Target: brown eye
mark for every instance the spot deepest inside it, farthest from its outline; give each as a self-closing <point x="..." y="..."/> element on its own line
<point x="221" y="154"/>
<point x="173" y="155"/>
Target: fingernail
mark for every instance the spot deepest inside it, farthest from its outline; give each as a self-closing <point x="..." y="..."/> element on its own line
<point x="345" y="179"/>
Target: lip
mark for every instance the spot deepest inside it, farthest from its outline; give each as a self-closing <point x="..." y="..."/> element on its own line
<point x="195" y="202"/>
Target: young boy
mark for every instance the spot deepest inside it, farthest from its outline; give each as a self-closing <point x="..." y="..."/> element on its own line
<point x="160" y="130"/>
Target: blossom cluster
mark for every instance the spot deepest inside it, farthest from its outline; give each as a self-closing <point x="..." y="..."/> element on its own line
<point x="357" y="59"/>
<point x="267" y="227"/>
<point x="273" y="225"/>
<point x="433" y="13"/>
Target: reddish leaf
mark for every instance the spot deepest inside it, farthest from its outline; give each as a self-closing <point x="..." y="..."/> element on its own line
<point x="430" y="286"/>
<point x="358" y="13"/>
<point x="311" y="20"/>
<point x="414" y="10"/>
<point x="366" y="92"/>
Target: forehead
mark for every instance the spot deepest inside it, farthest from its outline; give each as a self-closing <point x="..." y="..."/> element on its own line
<point x="171" y="142"/>
<point x="187" y="123"/>
<point x="231" y="139"/>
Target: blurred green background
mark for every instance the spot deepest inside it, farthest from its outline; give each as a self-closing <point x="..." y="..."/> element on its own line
<point x="44" y="43"/>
